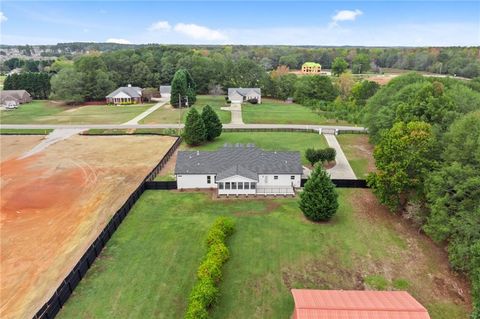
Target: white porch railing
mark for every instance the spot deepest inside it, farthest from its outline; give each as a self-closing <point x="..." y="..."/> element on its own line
<point x="275" y="190"/>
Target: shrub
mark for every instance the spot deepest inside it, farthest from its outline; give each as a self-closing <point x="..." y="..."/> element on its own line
<point x="319" y="199"/>
<point x="311" y="156"/>
<point x="329" y="154"/>
<point x="323" y="155"/>
<point x="253" y="101"/>
<point x="194" y="132"/>
<point x="205" y="292"/>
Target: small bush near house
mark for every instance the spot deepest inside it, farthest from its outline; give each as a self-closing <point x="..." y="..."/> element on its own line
<point x="323" y="155"/>
<point x="253" y="101"/>
<point x="319" y="199"/>
<point x="209" y="274"/>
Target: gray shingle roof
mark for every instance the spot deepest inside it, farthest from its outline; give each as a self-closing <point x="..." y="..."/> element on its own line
<point x="132" y="91"/>
<point x="165" y="89"/>
<point x="244" y="91"/>
<point x="247" y="161"/>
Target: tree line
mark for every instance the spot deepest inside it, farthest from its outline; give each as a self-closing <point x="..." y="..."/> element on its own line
<point x="427" y="152"/>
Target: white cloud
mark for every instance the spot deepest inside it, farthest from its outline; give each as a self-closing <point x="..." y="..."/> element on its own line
<point x="119" y="41"/>
<point x="160" y="26"/>
<point x="199" y="32"/>
<point x="346" y="15"/>
<point x="3" y="18"/>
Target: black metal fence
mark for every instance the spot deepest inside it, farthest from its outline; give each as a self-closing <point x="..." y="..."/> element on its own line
<point x="51" y="308"/>
<point x="344" y="183"/>
<point x="162" y="185"/>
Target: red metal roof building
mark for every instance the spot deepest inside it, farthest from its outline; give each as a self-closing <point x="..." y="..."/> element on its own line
<point x="344" y="304"/>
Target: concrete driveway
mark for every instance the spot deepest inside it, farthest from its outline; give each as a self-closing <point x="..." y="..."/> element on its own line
<point x="236" y="110"/>
<point x="342" y="169"/>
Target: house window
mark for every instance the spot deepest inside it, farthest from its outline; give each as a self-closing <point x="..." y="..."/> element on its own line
<point x="292" y="177"/>
<point x="209" y="179"/>
<point x="234" y="185"/>
<point x="220" y="185"/>
<point x="252" y="185"/>
<point x="215" y="179"/>
<point x="227" y="185"/>
<point x="246" y="185"/>
<point x="240" y="185"/>
<point x="275" y="177"/>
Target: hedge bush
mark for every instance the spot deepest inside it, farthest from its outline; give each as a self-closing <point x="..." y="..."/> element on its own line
<point x="209" y="274"/>
<point x="322" y="155"/>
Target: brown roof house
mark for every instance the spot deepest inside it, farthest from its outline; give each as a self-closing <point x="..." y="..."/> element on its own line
<point x="14" y="97"/>
<point x="353" y="304"/>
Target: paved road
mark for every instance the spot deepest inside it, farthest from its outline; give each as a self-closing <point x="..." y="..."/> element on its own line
<point x="140" y="117"/>
<point x="342" y="168"/>
<point x="127" y="126"/>
<point x="236" y="110"/>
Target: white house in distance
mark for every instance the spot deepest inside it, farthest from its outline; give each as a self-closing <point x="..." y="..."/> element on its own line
<point x="240" y="95"/>
<point x="240" y="170"/>
<point x="125" y="94"/>
<point x="165" y="91"/>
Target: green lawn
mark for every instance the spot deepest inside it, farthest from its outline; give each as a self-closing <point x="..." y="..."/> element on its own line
<point x="359" y="153"/>
<point x="148" y="266"/>
<point x="171" y="115"/>
<point x="44" y="112"/>
<point x="277" y="112"/>
<point x="279" y="141"/>
<point x="8" y="131"/>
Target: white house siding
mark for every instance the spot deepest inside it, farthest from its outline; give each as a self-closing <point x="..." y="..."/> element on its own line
<point x="195" y="181"/>
<point x="237" y="179"/>
<point x="283" y="180"/>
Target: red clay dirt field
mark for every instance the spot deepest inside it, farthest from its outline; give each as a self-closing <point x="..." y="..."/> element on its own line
<point x="56" y="202"/>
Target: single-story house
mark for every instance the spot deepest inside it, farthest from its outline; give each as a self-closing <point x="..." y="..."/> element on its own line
<point x="240" y="95"/>
<point x="14" y="97"/>
<point x="165" y="91"/>
<point x="321" y="304"/>
<point x="240" y="170"/>
<point x="125" y="94"/>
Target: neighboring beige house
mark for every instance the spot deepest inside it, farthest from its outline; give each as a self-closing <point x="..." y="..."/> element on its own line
<point x="240" y="95"/>
<point x="125" y="94"/>
<point x="311" y="68"/>
<point x="14" y="97"/>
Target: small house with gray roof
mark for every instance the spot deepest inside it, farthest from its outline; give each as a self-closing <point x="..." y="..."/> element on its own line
<point x="240" y="170"/>
<point x="240" y="95"/>
<point x="125" y="94"/>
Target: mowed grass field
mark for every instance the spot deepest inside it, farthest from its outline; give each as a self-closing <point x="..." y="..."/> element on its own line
<point x="270" y="141"/>
<point x="45" y="112"/>
<point x="359" y="153"/>
<point x="148" y="267"/>
<point x="278" y="112"/>
<point x="168" y="114"/>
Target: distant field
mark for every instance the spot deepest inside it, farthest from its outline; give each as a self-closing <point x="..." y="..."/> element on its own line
<point x="8" y="131"/>
<point x="148" y="267"/>
<point x="277" y="112"/>
<point x="167" y="114"/>
<point x="45" y="112"/>
<point x="2" y="79"/>
<point x="359" y="153"/>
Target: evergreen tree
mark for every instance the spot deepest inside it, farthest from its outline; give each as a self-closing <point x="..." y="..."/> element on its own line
<point x="194" y="132"/>
<point x="319" y="199"/>
<point x="213" y="125"/>
<point x="184" y="87"/>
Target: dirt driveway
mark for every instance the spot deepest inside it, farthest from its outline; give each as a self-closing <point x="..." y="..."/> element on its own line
<point x="54" y="204"/>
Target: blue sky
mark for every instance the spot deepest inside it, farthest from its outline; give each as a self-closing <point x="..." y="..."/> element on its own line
<point x="374" y="23"/>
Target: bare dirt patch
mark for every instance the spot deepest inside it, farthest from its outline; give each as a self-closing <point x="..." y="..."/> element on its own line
<point x="15" y="145"/>
<point x="55" y="203"/>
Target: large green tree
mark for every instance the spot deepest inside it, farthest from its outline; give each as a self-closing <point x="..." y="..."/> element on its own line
<point x="213" y="125"/>
<point x="309" y="90"/>
<point x="183" y="87"/>
<point x="339" y="66"/>
<point x="403" y="158"/>
<point x="67" y="85"/>
<point x="319" y="199"/>
<point x="194" y="132"/>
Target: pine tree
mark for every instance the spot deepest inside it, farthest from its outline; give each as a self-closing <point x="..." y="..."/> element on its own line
<point x="195" y="132"/>
<point x="319" y="199"/>
<point x="213" y="126"/>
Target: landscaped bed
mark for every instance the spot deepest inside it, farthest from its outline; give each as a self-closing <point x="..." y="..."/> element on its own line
<point x="168" y="114"/>
<point x="149" y="265"/>
<point x="47" y="112"/>
<point x="278" y="112"/>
